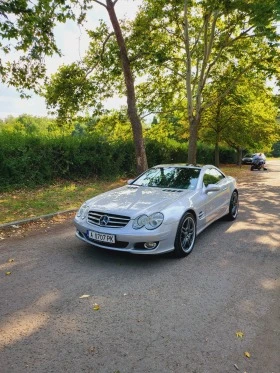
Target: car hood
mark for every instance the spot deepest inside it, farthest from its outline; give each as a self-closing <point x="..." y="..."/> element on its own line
<point x="132" y="200"/>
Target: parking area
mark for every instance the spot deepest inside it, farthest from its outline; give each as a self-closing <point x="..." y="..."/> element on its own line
<point x="68" y="307"/>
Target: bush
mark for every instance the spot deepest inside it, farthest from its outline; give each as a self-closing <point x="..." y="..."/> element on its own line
<point x="168" y="152"/>
<point x="30" y="161"/>
<point x="275" y="150"/>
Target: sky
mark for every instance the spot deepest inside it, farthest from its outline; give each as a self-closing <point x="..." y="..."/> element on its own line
<point x="73" y="42"/>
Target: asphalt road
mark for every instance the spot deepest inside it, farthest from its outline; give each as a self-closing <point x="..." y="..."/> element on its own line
<point x="157" y="314"/>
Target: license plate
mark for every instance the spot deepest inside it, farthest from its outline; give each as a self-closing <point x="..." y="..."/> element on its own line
<point x="102" y="237"/>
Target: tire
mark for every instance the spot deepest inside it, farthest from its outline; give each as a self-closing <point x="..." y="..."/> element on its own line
<point x="233" y="206"/>
<point x="252" y="168"/>
<point x="186" y="235"/>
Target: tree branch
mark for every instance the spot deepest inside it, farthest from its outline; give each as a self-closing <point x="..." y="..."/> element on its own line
<point x="102" y="53"/>
<point x="208" y="44"/>
<point x="100" y="3"/>
<point x="242" y="34"/>
<point x="173" y="70"/>
<point x="197" y="39"/>
<point x="234" y="82"/>
<point x="245" y="32"/>
<point x="188" y="61"/>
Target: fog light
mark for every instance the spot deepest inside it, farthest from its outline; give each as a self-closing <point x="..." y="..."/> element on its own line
<point x="150" y="245"/>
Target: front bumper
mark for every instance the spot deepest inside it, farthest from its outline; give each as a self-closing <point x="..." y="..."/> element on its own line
<point x="129" y="239"/>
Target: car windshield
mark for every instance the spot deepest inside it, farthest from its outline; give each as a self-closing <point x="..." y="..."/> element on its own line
<point x="169" y="177"/>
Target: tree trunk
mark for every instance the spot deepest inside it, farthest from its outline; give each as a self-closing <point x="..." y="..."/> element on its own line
<point x="217" y="154"/>
<point x="141" y="159"/>
<point x="218" y="132"/>
<point x="239" y="156"/>
<point x="192" y="150"/>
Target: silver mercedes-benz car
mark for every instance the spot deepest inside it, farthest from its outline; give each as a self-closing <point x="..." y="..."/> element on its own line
<point x="162" y="210"/>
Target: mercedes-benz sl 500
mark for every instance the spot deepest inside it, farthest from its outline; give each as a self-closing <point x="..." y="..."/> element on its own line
<point x="162" y="210"/>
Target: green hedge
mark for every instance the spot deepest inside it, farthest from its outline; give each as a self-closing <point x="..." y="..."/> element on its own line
<point x="30" y="161"/>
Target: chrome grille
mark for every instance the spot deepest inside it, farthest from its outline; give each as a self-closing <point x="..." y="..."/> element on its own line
<point x="103" y="219"/>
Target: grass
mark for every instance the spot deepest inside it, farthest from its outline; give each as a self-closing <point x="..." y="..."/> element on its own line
<point x="26" y="203"/>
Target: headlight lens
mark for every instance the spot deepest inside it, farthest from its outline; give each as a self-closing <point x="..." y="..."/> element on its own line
<point x="82" y="213"/>
<point x="155" y="221"/>
<point x="149" y="222"/>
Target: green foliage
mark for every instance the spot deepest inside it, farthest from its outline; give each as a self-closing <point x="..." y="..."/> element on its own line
<point x="245" y="118"/>
<point x="168" y="151"/>
<point x="172" y="127"/>
<point x="31" y="125"/>
<point x="34" y="160"/>
<point x="27" y="27"/>
<point x="113" y="126"/>
<point x="26" y="160"/>
<point x="190" y="45"/>
<point x="276" y="150"/>
<point x="83" y="86"/>
<point x="70" y="91"/>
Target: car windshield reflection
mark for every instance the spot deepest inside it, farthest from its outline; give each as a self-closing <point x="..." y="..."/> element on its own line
<point x="169" y="177"/>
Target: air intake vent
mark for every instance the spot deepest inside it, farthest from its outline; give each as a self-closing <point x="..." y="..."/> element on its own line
<point x="201" y="215"/>
<point x="172" y="190"/>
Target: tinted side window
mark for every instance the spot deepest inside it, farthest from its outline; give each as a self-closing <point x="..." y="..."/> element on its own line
<point x="212" y="176"/>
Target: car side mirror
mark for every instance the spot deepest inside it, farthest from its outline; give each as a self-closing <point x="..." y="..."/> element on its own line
<point x="212" y="188"/>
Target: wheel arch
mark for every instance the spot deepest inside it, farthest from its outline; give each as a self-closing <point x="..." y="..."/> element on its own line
<point x="192" y="212"/>
<point x="235" y="190"/>
<point x="189" y="235"/>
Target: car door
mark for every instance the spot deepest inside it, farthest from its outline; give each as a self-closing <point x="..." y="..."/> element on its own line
<point x="216" y="201"/>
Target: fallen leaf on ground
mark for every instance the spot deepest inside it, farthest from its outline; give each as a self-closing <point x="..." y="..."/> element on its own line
<point x="96" y="307"/>
<point x="239" y="334"/>
<point x="11" y="260"/>
<point x="84" y="296"/>
<point x="247" y="354"/>
<point x="8" y="273"/>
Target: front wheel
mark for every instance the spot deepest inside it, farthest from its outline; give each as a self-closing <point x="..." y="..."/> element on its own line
<point x="233" y="206"/>
<point x="186" y="235"/>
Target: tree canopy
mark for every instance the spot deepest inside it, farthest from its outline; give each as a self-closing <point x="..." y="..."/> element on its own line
<point x="190" y="45"/>
<point x="27" y="35"/>
<point x="194" y="64"/>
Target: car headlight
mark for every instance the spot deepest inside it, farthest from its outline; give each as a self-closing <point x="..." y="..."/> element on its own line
<point x="149" y="222"/>
<point x="82" y="213"/>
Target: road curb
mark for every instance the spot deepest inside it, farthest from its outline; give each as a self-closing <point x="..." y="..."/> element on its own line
<point x="37" y="218"/>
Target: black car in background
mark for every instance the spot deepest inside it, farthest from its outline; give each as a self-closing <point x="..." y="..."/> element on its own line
<point x="247" y="159"/>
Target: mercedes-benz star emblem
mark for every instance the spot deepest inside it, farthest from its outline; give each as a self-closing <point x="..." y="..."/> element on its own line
<point x="104" y="220"/>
